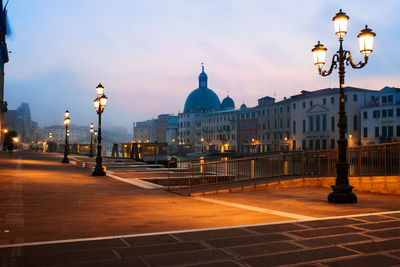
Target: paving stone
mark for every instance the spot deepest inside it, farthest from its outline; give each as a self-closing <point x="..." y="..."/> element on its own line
<point x="380" y="225"/>
<point x="275" y="228"/>
<point x="218" y="264"/>
<point x="373" y="218"/>
<point x="244" y="240"/>
<point x="211" y="234"/>
<point x="153" y="239"/>
<point x="390" y="233"/>
<point x="332" y="240"/>
<point x="136" y="262"/>
<point x="160" y="249"/>
<point x="72" y="246"/>
<point x="369" y="260"/>
<point x="262" y="249"/>
<point x="187" y="258"/>
<point x="395" y="253"/>
<point x="65" y="258"/>
<point x="5" y="252"/>
<point x="378" y="246"/>
<point x="394" y="215"/>
<point x="298" y="257"/>
<point x="326" y="232"/>
<point x="329" y="223"/>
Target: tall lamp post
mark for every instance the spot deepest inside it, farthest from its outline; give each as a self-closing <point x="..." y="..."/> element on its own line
<point x="91" y="140"/>
<point x="67" y="120"/>
<point x="342" y="190"/>
<point x="99" y="104"/>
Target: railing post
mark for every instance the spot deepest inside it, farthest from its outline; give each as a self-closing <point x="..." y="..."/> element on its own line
<point x="216" y="177"/>
<point x="202" y="180"/>
<point x="229" y="176"/>
<point x="168" y="177"/>
<point x="189" y="179"/>
<point x="318" y="164"/>
<point x="279" y="169"/>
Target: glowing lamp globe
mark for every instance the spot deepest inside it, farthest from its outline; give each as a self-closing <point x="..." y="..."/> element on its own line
<point x="319" y="55"/>
<point x="366" y="40"/>
<point x="341" y="22"/>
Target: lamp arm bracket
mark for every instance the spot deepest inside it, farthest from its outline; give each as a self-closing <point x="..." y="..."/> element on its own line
<point x="350" y="62"/>
<point x="335" y="60"/>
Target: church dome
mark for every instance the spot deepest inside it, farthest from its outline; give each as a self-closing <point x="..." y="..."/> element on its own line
<point x="227" y="103"/>
<point x="202" y="99"/>
<point x="243" y="106"/>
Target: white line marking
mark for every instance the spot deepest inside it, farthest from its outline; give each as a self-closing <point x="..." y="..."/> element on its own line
<point x="187" y="231"/>
<point x="262" y="210"/>
<point x="135" y="181"/>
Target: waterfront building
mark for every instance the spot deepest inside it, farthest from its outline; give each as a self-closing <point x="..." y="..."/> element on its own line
<point x="217" y="131"/>
<point x="142" y="130"/>
<point x="20" y="121"/>
<point x="247" y="129"/>
<point x="200" y="101"/>
<point x="274" y="131"/>
<point x="314" y="117"/>
<point x="380" y="121"/>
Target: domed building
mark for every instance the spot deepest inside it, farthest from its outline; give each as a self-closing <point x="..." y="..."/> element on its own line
<point x="202" y="115"/>
<point x="202" y="99"/>
<point x="227" y="103"/>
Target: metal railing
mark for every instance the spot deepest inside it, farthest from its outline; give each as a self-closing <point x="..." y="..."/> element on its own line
<point x="205" y="176"/>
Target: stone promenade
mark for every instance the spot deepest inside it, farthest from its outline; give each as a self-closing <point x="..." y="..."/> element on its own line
<point x="58" y="215"/>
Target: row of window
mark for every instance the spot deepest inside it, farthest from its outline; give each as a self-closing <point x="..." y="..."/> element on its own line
<point x="384" y="131"/>
<point x="248" y="115"/>
<point x="268" y="126"/>
<point x="281" y="110"/>
<point x="317" y="144"/>
<point x="384" y="113"/>
<point x="324" y="101"/>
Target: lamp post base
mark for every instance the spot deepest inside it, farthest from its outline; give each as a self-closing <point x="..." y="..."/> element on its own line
<point x="65" y="160"/>
<point x="342" y="194"/>
<point x="98" y="171"/>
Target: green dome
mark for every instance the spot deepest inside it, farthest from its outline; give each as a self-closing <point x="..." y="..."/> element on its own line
<point x="227" y="103"/>
<point x="202" y="99"/>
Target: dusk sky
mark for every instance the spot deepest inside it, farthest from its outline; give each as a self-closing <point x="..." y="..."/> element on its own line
<point x="148" y="54"/>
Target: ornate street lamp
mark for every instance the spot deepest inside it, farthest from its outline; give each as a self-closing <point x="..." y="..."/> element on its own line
<point x="342" y="190"/>
<point x="99" y="104"/>
<point x="91" y="140"/>
<point x="67" y="120"/>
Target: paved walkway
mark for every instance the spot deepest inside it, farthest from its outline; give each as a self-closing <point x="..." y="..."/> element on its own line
<point x="58" y="214"/>
<point x="371" y="240"/>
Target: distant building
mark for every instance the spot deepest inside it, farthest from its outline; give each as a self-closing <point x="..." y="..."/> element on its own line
<point x="20" y="121"/>
<point x="380" y="121"/>
<point x="142" y="131"/>
<point x="274" y="129"/>
<point x="247" y="129"/>
<point x="156" y="130"/>
<point x="217" y="131"/>
<point x="172" y="130"/>
<point x="200" y="101"/>
<point x="314" y="117"/>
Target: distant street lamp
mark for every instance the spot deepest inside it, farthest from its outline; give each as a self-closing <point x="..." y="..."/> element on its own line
<point x="91" y="140"/>
<point x="342" y="190"/>
<point x="99" y="104"/>
<point x="67" y="120"/>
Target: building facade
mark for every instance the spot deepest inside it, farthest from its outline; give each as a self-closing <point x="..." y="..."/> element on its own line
<point x="314" y="117"/>
<point x="247" y="129"/>
<point x="274" y="128"/>
<point x="216" y="131"/>
<point x="380" y="121"/>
